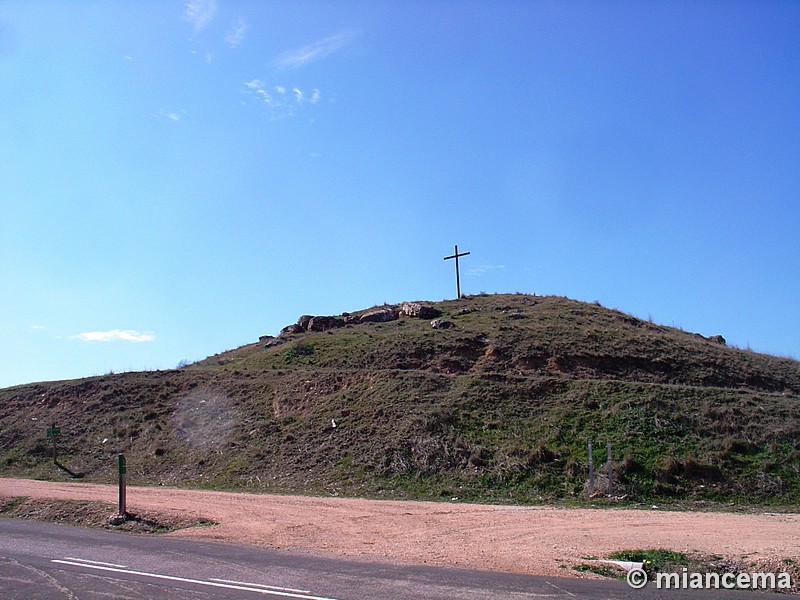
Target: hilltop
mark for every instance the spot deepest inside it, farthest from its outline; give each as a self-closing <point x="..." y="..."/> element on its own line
<point x="489" y="397"/>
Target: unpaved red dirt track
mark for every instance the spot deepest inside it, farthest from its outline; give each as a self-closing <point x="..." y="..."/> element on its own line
<point x="534" y="540"/>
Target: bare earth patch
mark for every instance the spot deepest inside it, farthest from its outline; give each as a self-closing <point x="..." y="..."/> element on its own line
<point x="534" y="540"/>
<point x="89" y="513"/>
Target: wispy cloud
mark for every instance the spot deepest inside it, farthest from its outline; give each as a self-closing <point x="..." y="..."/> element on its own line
<point x="172" y="115"/>
<point x="115" y="335"/>
<point x="237" y="34"/>
<point x="300" y="57"/>
<point x="483" y="269"/>
<point x="280" y="101"/>
<point x="200" y="13"/>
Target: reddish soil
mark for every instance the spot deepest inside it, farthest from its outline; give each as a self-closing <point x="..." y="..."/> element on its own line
<point x="535" y="540"/>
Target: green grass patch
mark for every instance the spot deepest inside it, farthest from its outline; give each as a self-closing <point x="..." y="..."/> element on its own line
<point x="656" y="559"/>
<point x="599" y="569"/>
<point x="497" y="409"/>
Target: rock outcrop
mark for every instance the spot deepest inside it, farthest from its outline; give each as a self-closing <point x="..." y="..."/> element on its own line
<point x="420" y="311"/>
<point x="382" y="315"/>
<point x="292" y="329"/>
<point x="324" y="323"/>
<point x="269" y="341"/>
<point x="312" y="323"/>
<point x="379" y="315"/>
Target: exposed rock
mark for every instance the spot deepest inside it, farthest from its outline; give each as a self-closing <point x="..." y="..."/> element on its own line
<point x="292" y="329"/>
<point x="269" y="341"/>
<point x="421" y="311"/>
<point x="382" y="315"/>
<point x="312" y="323"/>
<point x="717" y="339"/>
<point x="324" y="323"/>
<point x="442" y="324"/>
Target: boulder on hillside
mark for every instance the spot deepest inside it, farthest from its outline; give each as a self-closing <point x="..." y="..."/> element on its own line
<point x="420" y="311"/>
<point x="442" y="324"/>
<point x="718" y="339"/>
<point x="304" y="320"/>
<point x="324" y="323"/>
<point x="382" y="315"/>
<point x="269" y="341"/>
<point x="292" y="329"/>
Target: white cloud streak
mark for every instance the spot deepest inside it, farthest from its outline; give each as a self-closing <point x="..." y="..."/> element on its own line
<point x="280" y="101"/>
<point x="237" y="34"/>
<point x="172" y="115"/>
<point x="300" y="57"/>
<point x="115" y="335"/>
<point x="483" y="269"/>
<point x="200" y="13"/>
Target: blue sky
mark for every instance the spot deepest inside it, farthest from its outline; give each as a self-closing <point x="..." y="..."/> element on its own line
<point x="179" y="178"/>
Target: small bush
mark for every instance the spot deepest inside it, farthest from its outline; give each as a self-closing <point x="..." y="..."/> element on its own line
<point x="298" y="351"/>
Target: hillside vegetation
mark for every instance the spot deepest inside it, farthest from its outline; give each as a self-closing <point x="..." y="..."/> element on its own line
<point x="499" y="408"/>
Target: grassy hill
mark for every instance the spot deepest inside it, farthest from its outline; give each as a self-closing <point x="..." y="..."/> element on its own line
<point x="499" y="407"/>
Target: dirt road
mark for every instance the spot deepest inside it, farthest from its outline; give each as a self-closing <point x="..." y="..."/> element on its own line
<point x="534" y="540"/>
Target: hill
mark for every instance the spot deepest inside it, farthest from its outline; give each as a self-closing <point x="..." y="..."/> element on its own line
<point x="496" y="403"/>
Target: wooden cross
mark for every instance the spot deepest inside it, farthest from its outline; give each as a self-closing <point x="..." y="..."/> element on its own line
<point x="458" y="279"/>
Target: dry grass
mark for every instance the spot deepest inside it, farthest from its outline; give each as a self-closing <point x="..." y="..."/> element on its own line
<point x="497" y="409"/>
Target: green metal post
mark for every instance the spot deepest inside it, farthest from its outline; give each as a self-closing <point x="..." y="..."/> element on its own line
<point x="122" y="484"/>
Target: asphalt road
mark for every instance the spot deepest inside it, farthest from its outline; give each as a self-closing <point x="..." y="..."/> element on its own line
<point x="47" y="561"/>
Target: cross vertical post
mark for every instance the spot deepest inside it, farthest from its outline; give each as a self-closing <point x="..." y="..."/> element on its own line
<point x="458" y="277"/>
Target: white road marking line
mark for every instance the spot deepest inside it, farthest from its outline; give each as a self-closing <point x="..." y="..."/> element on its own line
<point x="263" y="585"/>
<point x="561" y="589"/>
<point x="196" y="581"/>
<point x="97" y="562"/>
